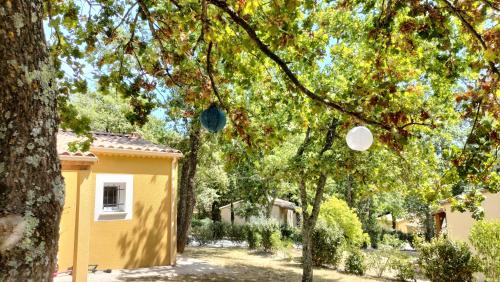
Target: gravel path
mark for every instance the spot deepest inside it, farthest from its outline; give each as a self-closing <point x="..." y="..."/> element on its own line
<point x="185" y="267"/>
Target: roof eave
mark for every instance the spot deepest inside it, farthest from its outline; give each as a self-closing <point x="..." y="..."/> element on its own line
<point x="71" y="158"/>
<point x="138" y="153"/>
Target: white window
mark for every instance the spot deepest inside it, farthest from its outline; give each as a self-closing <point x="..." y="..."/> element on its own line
<point x="113" y="197"/>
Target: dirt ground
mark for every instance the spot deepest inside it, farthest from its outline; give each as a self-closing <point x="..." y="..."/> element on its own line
<point x="225" y="264"/>
<point x="244" y="265"/>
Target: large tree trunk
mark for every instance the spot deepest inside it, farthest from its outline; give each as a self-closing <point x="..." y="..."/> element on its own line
<point x="31" y="186"/>
<point x="187" y="198"/>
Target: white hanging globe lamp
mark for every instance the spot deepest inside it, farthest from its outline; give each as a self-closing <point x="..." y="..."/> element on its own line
<point x="359" y="138"/>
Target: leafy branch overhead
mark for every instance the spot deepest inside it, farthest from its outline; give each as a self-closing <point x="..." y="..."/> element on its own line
<point x="407" y="68"/>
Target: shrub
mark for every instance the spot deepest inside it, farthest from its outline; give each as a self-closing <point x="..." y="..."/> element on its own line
<point x="391" y="242"/>
<point x="269" y="231"/>
<point x="286" y="247"/>
<point x="374" y="234"/>
<point x="296" y="235"/>
<point x="252" y="236"/>
<point x="405" y="237"/>
<point x="443" y="260"/>
<point x="286" y="231"/>
<point x="271" y="243"/>
<point x="336" y="211"/>
<point x="386" y="254"/>
<point x="355" y="263"/>
<point x="485" y="238"/>
<point x="219" y="229"/>
<point x="235" y="233"/>
<point x="405" y="270"/>
<point x="202" y="231"/>
<point x="326" y="241"/>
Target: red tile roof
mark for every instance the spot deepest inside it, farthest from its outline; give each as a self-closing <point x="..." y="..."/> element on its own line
<point x="113" y="141"/>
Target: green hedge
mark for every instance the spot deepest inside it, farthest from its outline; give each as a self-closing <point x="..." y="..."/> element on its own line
<point x="443" y="260"/>
<point x="326" y="242"/>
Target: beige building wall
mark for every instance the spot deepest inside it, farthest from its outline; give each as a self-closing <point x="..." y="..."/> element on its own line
<point x="282" y="215"/>
<point x="225" y="214"/>
<point x="459" y="224"/>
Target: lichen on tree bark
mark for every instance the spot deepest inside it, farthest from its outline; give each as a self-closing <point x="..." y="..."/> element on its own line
<point x="31" y="185"/>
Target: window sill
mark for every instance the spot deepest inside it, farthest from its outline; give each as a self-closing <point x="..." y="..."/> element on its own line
<point x="112" y="212"/>
<point x="107" y="215"/>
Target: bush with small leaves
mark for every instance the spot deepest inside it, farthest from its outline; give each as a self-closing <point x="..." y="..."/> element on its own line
<point x="388" y="251"/>
<point x="443" y="260"/>
<point x="355" y="263"/>
<point x="326" y="242"/>
<point x="297" y="235"/>
<point x="405" y="269"/>
<point x="202" y="231"/>
<point x="253" y="237"/>
<point x="270" y="233"/>
<point x="219" y="229"/>
<point x="235" y="233"/>
<point x="336" y="211"/>
<point x="286" y="231"/>
<point x="273" y="243"/>
<point x="485" y="238"/>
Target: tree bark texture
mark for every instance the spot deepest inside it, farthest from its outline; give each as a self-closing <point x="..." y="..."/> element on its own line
<point x="31" y="185"/>
<point x="187" y="199"/>
<point x="307" y="259"/>
<point x="310" y="219"/>
<point x="394" y="221"/>
<point x="429" y="225"/>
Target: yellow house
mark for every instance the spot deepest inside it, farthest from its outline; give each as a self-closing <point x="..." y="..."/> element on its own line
<point x="402" y="224"/>
<point x="457" y="225"/>
<point x="119" y="209"/>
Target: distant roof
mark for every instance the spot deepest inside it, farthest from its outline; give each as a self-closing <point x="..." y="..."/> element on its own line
<point x="284" y="204"/>
<point x="277" y="202"/>
<point x="112" y="142"/>
<point x="388" y="217"/>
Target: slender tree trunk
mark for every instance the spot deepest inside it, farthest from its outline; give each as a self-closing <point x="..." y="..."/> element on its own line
<point x="429" y="225"/>
<point x="394" y="221"/>
<point x="215" y="212"/>
<point x="270" y="204"/>
<point x="232" y="213"/>
<point x="31" y="186"/>
<point x="350" y="201"/>
<point x="309" y="219"/>
<point x="187" y="198"/>
<point x="307" y="260"/>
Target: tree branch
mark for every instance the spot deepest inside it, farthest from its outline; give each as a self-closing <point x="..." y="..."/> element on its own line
<point x="415" y="123"/>
<point x="471" y="29"/>
<point x="124" y="18"/>
<point x="473" y="126"/>
<point x="302" y="184"/>
<point x="152" y="29"/>
<point x="320" y="187"/>
<point x="265" y="49"/>
<point x="491" y="5"/>
<point x="212" y="80"/>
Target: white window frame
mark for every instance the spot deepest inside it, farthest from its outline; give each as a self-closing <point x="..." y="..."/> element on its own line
<point x="102" y="215"/>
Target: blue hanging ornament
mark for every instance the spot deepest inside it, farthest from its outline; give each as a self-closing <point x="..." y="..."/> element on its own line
<point x="213" y="118"/>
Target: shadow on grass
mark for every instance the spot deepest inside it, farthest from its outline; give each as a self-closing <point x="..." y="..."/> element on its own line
<point x="236" y="272"/>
